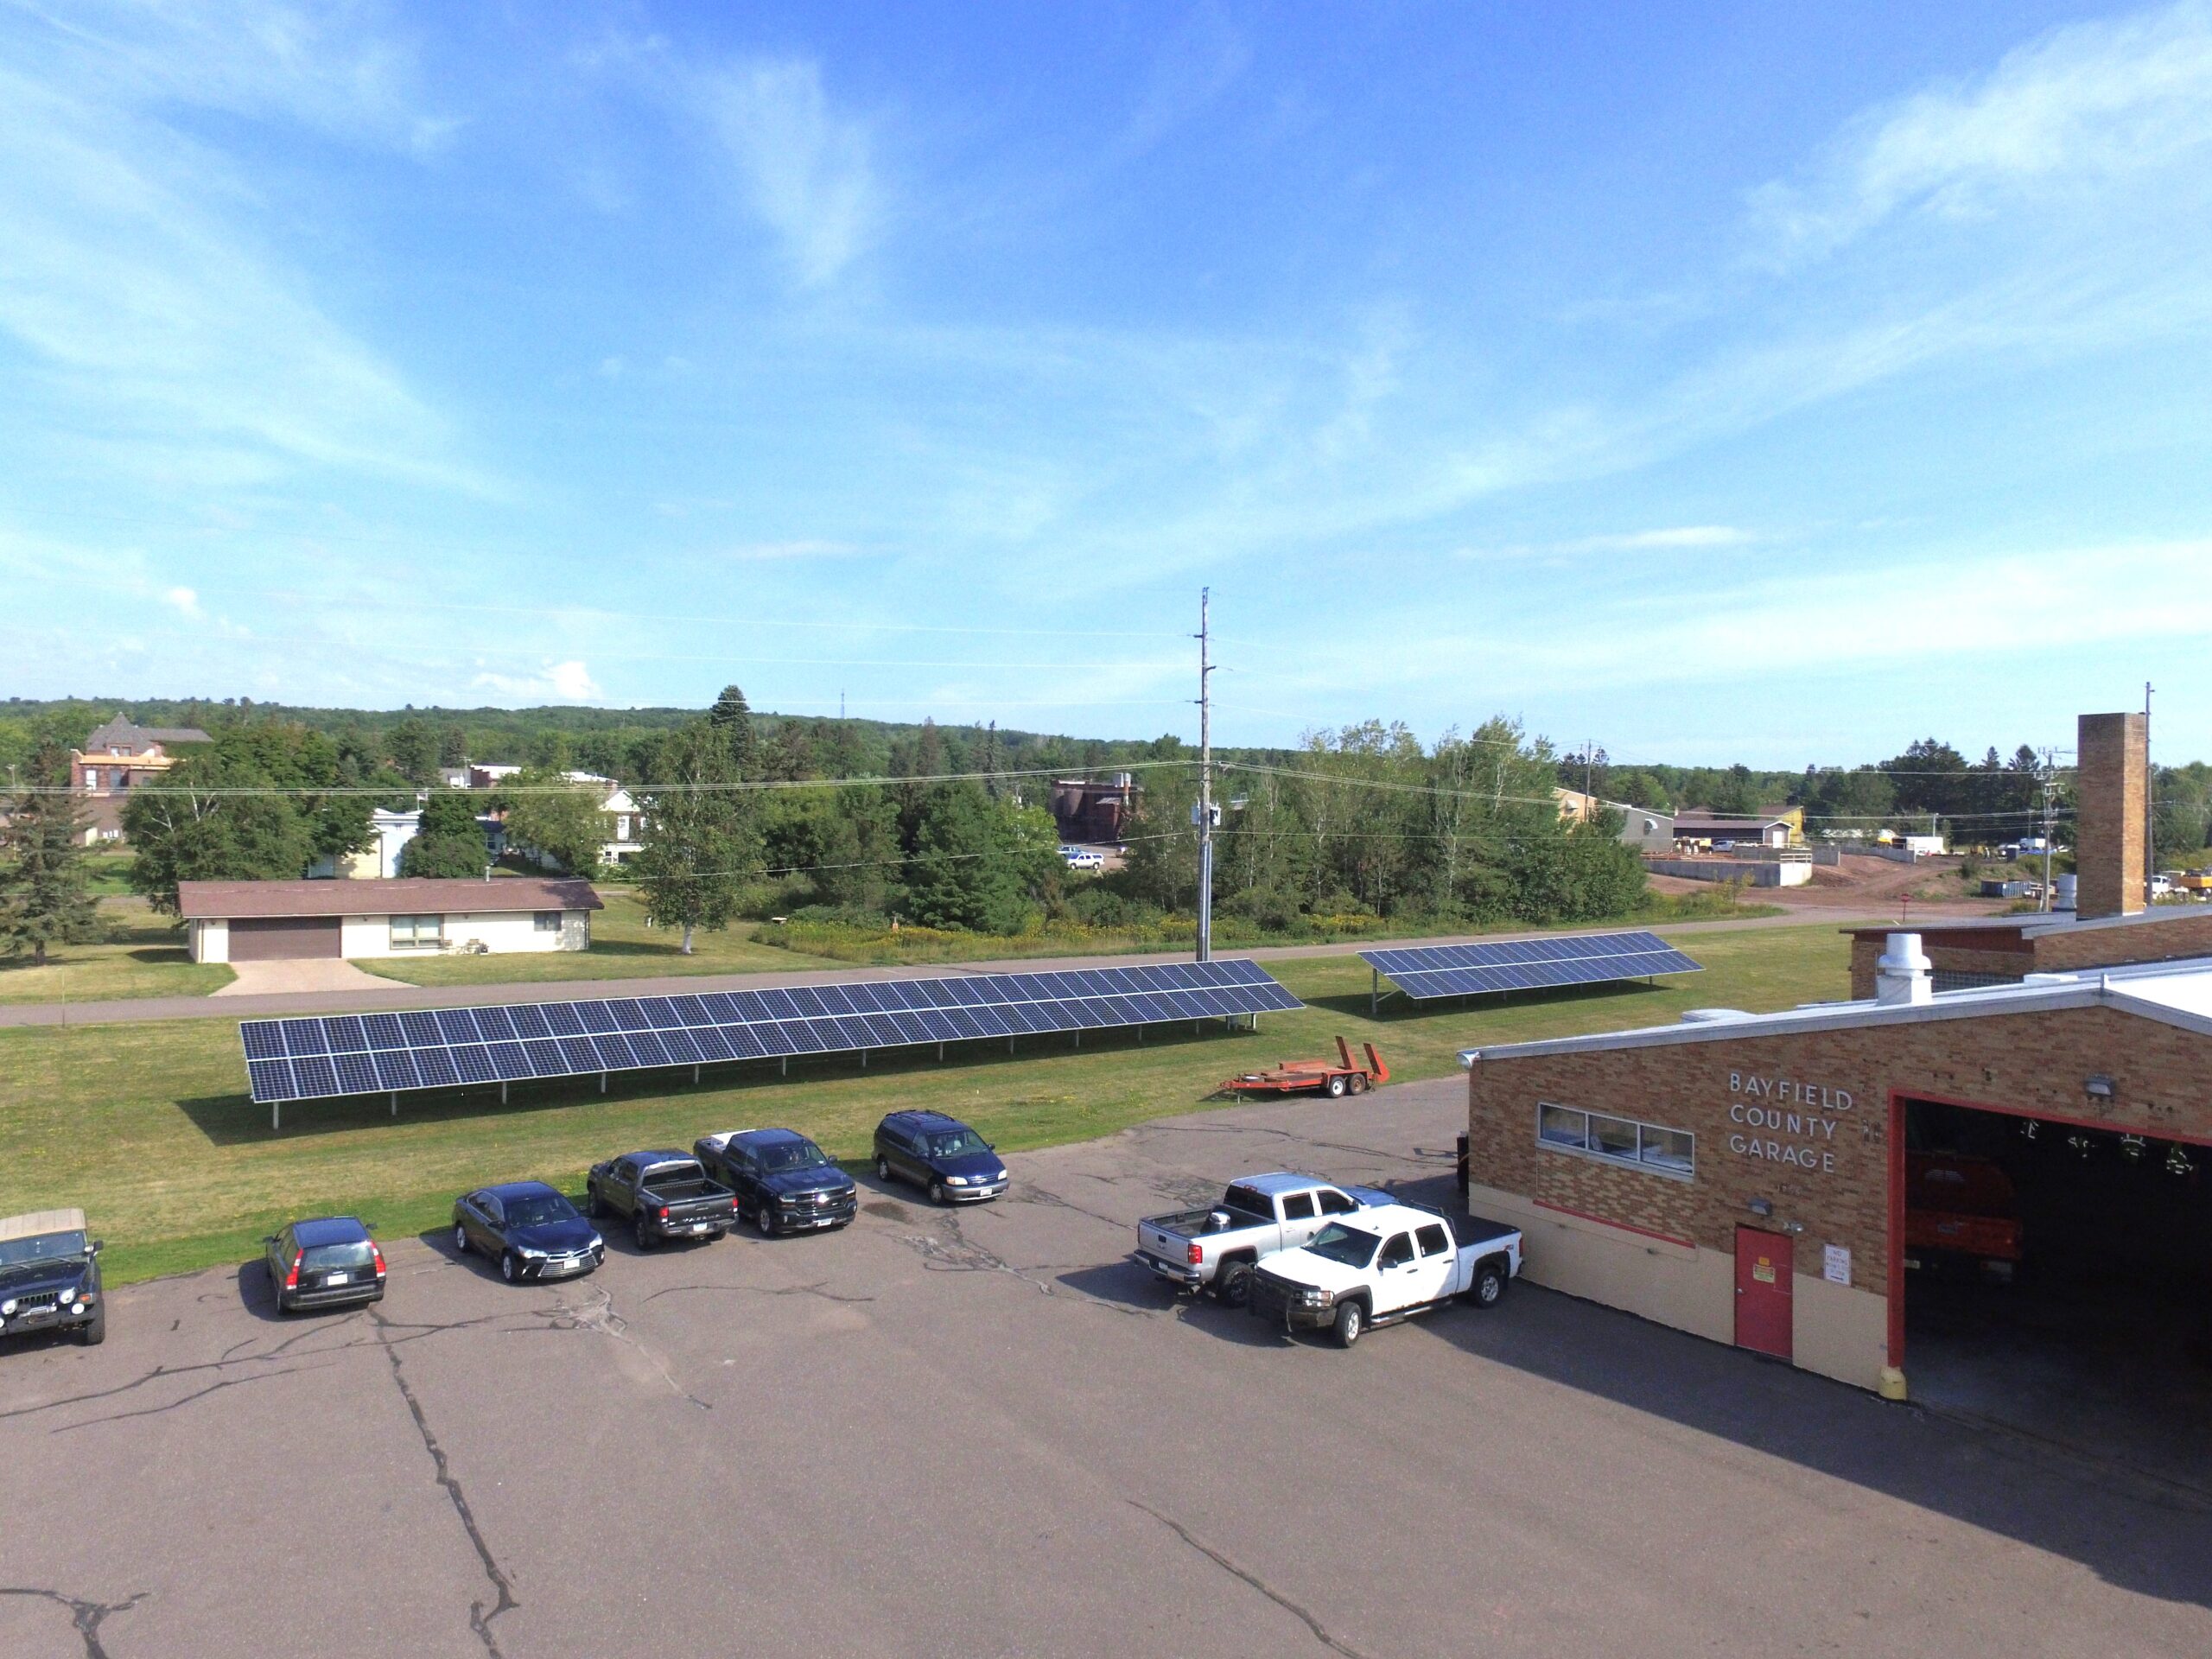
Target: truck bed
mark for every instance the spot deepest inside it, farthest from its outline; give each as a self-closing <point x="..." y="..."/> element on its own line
<point x="1476" y="1231"/>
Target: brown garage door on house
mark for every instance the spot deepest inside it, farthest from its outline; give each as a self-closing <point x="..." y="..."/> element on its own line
<point x="282" y="939"/>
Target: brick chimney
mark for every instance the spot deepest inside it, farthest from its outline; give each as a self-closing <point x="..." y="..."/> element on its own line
<point x="2112" y="796"/>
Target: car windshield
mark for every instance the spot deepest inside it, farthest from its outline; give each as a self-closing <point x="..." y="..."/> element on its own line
<point x="778" y="1155"/>
<point x="1339" y="1243"/>
<point x="537" y="1212"/>
<point x="317" y="1257"/>
<point x="46" y="1246"/>
<point x="957" y="1143"/>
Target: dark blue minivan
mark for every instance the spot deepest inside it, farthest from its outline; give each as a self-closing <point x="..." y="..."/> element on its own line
<point x="956" y="1165"/>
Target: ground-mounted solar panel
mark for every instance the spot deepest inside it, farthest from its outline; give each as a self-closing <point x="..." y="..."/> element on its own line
<point x="353" y="1054"/>
<point x="1425" y="972"/>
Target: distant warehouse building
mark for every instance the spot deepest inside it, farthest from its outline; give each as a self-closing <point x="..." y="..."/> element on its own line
<point x="267" y="921"/>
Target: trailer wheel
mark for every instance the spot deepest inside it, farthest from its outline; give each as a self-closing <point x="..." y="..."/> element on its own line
<point x="1335" y="1085"/>
<point x="1359" y="1083"/>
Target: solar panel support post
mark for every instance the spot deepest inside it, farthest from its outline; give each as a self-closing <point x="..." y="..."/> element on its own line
<point x="694" y="1075"/>
<point x="602" y="1082"/>
<point x="503" y="1094"/>
<point x="395" y="1102"/>
<point x="1374" y="992"/>
<point x="275" y="1108"/>
<point x="940" y="1052"/>
<point x="863" y="1060"/>
<point x="787" y="1064"/>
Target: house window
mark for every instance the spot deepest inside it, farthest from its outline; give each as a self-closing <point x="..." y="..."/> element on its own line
<point x="91" y="777"/>
<point x="1617" y="1140"/>
<point x="547" y="921"/>
<point x="417" y="932"/>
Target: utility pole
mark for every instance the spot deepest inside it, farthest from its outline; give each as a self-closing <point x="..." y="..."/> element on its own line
<point x="2150" y="809"/>
<point x="2050" y="785"/>
<point x="1203" y="814"/>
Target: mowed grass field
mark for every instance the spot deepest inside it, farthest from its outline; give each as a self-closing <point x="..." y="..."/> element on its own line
<point x="140" y="955"/>
<point x="147" y="1126"/>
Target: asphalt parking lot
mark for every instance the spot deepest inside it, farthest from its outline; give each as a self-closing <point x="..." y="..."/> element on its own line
<point x="982" y="1432"/>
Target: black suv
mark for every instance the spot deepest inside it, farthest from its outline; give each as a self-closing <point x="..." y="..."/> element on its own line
<point x="330" y="1262"/>
<point x="783" y="1180"/>
<point x="941" y="1154"/>
<point x="50" y="1276"/>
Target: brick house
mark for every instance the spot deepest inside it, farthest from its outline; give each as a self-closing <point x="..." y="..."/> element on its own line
<point x="117" y="757"/>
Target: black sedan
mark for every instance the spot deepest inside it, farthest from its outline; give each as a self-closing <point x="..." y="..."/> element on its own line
<point x="529" y="1229"/>
<point x="330" y="1262"/>
<point x="784" y="1182"/>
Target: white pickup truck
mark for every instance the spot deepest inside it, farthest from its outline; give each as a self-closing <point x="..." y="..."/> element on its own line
<point x="1258" y="1215"/>
<point x="1384" y="1265"/>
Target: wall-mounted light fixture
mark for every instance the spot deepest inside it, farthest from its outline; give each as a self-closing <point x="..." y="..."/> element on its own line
<point x="1793" y="1228"/>
<point x="1762" y="1206"/>
<point x="2098" y="1087"/>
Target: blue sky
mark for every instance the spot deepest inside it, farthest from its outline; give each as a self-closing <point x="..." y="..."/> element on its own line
<point x="1715" y="381"/>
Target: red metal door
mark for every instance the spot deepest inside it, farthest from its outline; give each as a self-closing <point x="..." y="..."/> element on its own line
<point x="1763" y="1275"/>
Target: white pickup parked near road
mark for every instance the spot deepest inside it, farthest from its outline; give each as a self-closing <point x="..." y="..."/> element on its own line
<point x="1258" y="1215"/>
<point x="1384" y="1265"/>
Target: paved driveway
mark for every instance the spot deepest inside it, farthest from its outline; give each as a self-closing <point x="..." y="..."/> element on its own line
<point x="316" y="973"/>
<point x="983" y="1433"/>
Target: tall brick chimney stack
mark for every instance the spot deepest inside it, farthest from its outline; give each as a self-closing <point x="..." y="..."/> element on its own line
<point x="2111" y="793"/>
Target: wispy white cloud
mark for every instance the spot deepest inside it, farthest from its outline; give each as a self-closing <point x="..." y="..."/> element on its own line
<point x="568" y="682"/>
<point x="186" y="601"/>
<point x="2080" y="106"/>
<point x="132" y="271"/>
<point x="808" y="168"/>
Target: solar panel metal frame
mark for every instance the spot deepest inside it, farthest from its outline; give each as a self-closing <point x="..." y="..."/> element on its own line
<point x="329" y="1056"/>
<point x="1426" y="973"/>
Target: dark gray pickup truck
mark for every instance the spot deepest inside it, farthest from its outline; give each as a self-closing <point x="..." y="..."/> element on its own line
<point x="666" y="1195"/>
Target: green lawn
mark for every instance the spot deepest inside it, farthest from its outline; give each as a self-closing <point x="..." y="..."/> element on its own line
<point x="146" y="1126"/>
<point x="141" y="956"/>
<point x="622" y="947"/>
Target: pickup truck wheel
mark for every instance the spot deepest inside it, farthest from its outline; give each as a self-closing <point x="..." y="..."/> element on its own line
<point x="1336" y="1086"/>
<point x="1351" y="1319"/>
<point x="1489" y="1289"/>
<point x="593" y="1206"/>
<point x="642" y="1233"/>
<point x="765" y="1219"/>
<point x="882" y="1167"/>
<point x="1232" y="1284"/>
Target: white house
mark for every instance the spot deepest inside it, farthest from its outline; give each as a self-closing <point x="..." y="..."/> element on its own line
<point x="626" y="831"/>
<point x="267" y="921"/>
<point x="392" y="831"/>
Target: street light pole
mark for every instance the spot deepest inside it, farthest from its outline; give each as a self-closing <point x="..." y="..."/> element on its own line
<point x="1203" y="815"/>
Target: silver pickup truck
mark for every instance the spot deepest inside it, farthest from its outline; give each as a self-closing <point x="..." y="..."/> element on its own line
<point x="1258" y="1215"/>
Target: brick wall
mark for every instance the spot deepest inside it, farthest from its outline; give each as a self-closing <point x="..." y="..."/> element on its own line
<point x="2031" y="1061"/>
<point x="2111" y="785"/>
<point x="1982" y="952"/>
<point x="2174" y="934"/>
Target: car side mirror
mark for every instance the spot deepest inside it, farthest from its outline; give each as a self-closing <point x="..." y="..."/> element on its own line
<point x="99" y="1245"/>
<point x="269" y="1238"/>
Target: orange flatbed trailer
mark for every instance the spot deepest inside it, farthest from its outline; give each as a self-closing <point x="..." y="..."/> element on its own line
<point x="1342" y="1076"/>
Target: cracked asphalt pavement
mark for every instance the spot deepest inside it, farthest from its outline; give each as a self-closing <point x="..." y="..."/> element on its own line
<point x="983" y="1432"/>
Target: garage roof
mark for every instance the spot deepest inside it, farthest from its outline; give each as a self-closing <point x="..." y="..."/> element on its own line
<point x="2172" y="993"/>
<point x="406" y="896"/>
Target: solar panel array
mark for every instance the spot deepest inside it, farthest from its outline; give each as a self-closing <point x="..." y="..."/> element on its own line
<point x="1527" y="965"/>
<point x="375" y="1053"/>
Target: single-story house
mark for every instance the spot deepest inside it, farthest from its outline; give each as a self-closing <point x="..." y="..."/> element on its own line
<point x="1703" y="831"/>
<point x="265" y="921"/>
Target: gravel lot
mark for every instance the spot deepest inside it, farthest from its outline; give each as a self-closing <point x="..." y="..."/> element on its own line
<point x="983" y="1433"/>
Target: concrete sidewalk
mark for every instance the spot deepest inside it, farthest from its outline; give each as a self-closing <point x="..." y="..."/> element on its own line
<point x="379" y="995"/>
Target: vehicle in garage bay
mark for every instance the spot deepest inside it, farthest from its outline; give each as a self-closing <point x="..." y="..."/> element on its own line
<point x="665" y="1195"/>
<point x="1258" y="1215"/>
<point x="1383" y="1266"/>
<point x="327" y="1262"/>
<point x="530" y="1229"/>
<point x="50" y="1276"/>
<point x="1962" y="1209"/>
<point x="941" y="1153"/>
<point x="781" y="1179"/>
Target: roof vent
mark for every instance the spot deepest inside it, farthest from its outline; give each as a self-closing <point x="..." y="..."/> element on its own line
<point x="1711" y="1016"/>
<point x="1903" y="976"/>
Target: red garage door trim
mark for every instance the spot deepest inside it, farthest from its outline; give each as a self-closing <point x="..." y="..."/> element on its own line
<point x="284" y="938"/>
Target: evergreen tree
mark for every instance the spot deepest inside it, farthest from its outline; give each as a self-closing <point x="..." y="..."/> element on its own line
<point x="732" y="716"/>
<point x="43" y="899"/>
<point x="699" y="840"/>
<point x="979" y="864"/>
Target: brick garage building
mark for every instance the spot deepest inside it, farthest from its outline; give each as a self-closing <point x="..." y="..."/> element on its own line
<point x="1743" y="1176"/>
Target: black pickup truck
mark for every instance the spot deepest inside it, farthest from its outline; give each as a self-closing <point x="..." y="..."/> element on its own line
<point x="666" y="1196"/>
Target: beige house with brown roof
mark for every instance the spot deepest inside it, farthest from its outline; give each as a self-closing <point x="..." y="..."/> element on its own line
<point x="267" y="921"/>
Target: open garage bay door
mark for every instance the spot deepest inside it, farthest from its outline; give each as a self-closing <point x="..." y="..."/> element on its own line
<point x="284" y="939"/>
<point x="2059" y="1278"/>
